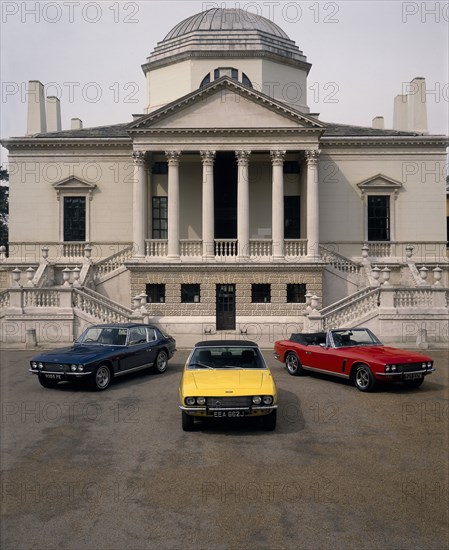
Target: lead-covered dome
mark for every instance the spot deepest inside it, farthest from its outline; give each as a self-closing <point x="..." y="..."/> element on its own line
<point x="217" y="19"/>
<point x="224" y="33"/>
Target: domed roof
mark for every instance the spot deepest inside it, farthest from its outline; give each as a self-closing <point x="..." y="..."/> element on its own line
<point x="226" y="33"/>
<point x="217" y="19"/>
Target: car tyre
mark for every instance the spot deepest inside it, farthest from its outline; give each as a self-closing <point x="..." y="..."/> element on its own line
<point x="47" y="383"/>
<point x="269" y="421"/>
<point x="160" y="365"/>
<point x="187" y="422"/>
<point x="414" y="383"/>
<point x="101" y="378"/>
<point x="293" y="364"/>
<point x="364" y="379"/>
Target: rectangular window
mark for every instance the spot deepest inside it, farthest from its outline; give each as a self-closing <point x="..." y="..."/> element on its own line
<point x="378" y="218"/>
<point x="74" y="219"/>
<point x="292" y="221"/>
<point x="190" y="294"/>
<point x="160" y="218"/>
<point x="155" y="293"/>
<point x="159" y="168"/>
<point x="260" y="294"/>
<point x="296" y="293"/>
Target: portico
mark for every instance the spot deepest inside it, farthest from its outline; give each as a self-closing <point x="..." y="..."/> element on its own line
<point x="200" y="130"/>
<point x="210" y="247"/>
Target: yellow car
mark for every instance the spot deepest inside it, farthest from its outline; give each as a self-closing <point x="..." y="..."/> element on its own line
<point x="227" y="379"/>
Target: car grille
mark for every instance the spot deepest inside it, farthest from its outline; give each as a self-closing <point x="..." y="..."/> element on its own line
<point x="409" y="367"/>
<point x="225" y="402"/>
<point x="56" y="367"/>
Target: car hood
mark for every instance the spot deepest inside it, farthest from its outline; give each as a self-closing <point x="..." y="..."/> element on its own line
<point x="385" y="354"/>
<point x="234" y="381"/>
<point x="77" y="354"/>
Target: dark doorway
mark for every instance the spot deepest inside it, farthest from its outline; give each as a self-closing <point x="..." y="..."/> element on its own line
<point x="225" y="195"/>
<point x="225" y="301"/>
<point x="292" y="222"/>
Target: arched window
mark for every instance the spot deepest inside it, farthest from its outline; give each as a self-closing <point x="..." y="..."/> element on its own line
<point x="231" y="72"/>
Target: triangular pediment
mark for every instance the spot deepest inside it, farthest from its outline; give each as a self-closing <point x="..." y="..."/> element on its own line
<point x="73" y="184"/>
<point x="225" y="104"/>
<point x="379" y="181"/>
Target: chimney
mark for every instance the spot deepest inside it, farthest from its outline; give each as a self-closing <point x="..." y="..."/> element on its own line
<point x="417" y="107"/>
<point x="36" y="122"/>
<point x="378" y="122"/>
<point x="53" y="107"/>
<point x="400" y="113"/>
<point x="76" y="124"/>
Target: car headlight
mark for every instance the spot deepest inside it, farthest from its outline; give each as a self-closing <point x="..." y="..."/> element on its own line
<point x="424" y="365"/>
<point x="429" y="365"/>
<point x="394" y="368"/>
<point x="80" y="368"/>
<point x="33" y="365"/>
<point x="40" y="365"/>
<point x="387" y="368"/>
<point x="257" y="400"/>
<point x="267" y="400"/>
<point x="201" y="400"/>
<point x="190" y="401"/>
<point x="73" y="368"/>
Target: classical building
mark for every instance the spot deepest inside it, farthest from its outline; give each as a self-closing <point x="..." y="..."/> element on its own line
<point x="226" y="207"/>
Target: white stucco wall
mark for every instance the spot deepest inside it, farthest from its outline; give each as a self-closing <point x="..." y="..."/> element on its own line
<point x="418" y="212"/>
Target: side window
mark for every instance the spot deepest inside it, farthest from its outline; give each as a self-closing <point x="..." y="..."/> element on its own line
<point x="151" y="335"/>
<point x="137" y="335"/>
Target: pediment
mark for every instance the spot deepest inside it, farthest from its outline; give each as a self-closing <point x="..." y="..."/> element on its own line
<point x="379" y="183"/>
<point x="225" y="104"/>
<point x="74" y="185"/>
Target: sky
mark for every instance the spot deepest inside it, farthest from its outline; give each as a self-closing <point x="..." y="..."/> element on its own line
<point x="89" y="53"/>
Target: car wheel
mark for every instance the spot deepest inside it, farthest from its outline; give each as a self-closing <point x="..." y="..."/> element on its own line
<point x="293" y="364"/>
<point x="187" y="422"/>
<point x="47" y="383"/>
<point x="414" y="383"/>
<point x="101" y="378"/>
<point x="160" y="365"/>
<point x="364" y="379"/>
<point x="269" y="421"/>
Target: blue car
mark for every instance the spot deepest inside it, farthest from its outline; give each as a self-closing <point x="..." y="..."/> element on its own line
<point x="104" y="352"/>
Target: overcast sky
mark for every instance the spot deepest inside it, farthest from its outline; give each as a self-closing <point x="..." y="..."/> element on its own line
<point x="90" y="54"/>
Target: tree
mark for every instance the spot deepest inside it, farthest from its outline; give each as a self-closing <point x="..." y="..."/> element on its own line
<point x="4" y="206"/>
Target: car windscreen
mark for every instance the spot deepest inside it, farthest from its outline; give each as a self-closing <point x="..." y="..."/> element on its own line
<point x="107" y="336"/>
<point x="224" y="357"/>
<point x="354" y="337"/>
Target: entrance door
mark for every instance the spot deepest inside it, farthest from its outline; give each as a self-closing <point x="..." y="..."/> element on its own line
<point x="225" y="301"/>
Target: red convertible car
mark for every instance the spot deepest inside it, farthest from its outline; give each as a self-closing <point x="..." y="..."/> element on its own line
<point x="355" y="354"/>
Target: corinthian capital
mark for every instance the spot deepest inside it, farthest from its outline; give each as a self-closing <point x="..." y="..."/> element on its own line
<point x="207" y="157"/>
<point x="139" y="157"/>
<point x="242" y="157"/>
<point x="277" y="157"/>
<point x="173" y="157"/>
<point x="312" y="156"/>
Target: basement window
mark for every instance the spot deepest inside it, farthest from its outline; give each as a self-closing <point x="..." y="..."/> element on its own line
<point x="260" y="294"/>
<point x="155" y="293"/>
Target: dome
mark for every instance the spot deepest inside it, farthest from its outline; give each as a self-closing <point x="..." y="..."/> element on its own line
<point x="225" y="33"/>
<point x="217" y="19"/>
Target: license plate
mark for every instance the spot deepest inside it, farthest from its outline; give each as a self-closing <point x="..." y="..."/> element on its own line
<point x="412" y="376"/>
<point x="53" y="376"/>
<point x="229" y="414"/>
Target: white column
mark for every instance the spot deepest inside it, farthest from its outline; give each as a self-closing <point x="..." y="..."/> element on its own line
<point x="277" y="208"/>
<point x="243" y="203"/>
<point x="139" y="203"/>
<point x="313" y="217"/>
<point x="208" y="158"/>
<point x="173" y="158"/>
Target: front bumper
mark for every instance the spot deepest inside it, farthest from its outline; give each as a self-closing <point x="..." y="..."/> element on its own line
<point x="403" y="375"/>
<point x="255" y="410"/>
<point x="60" y="375"/>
